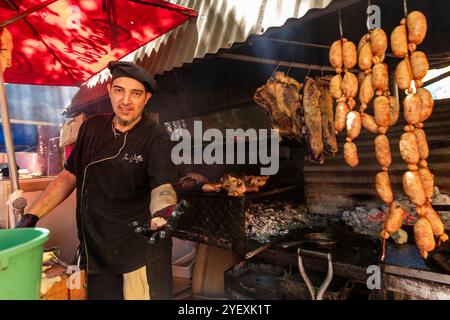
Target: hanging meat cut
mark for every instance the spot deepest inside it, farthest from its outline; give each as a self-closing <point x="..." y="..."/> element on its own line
<point x="281" y="98"/>
<point x="313" y="120"/>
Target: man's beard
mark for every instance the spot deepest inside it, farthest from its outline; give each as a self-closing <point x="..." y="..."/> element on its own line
<point x="126" y="123"/>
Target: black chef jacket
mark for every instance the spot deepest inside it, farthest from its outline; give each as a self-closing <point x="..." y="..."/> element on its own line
<point x="115" y="175"/>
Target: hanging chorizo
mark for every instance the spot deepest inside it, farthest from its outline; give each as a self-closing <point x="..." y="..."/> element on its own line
<point x="394" y="111"/>
<point x="419" y="65"/>
<point x="422" y="144"/>
<point x="423" y="235"/>
<point x="417" y="27"/>
<point x="368" y="122"/>
<point x="399" y="41"/>
<point x="393" y="221"/>
<point x="383" y="151"/>
<point x="366" y="91"/>
<point x="335" y="56"/>
<point x="349" y="54"/>
<point x="412" y="186"/>
<point x="408" y="148"/>
<point x="353" y="124"/>
<point x="365" y="57"/>
<point x="335" y="86"/>
<point x="435" y="222"/>
<point x="380" y="77"/>
<point x="383" y="187"/>
<point x="349" y="85"/>
<point x="403" y="74"/>
<point x="381" y="107"/>
<point x="412" y="108"/>
<point x="427" y="180"/>
<point x="426" y="103"/>
<point x="378" y="44"/>
<point x="340" y="116"/>
<point x="351" y="154"/>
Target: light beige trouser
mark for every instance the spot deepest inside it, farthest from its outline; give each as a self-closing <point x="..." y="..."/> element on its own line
<point x="135" y="285"/>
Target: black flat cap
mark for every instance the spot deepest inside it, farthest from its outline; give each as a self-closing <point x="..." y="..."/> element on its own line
<point x="131" y="70"/>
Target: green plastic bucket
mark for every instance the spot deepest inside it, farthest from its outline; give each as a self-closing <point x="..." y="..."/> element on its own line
<point x="21" y="263"/>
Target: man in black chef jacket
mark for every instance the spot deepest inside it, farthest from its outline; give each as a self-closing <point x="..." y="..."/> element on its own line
<point x="121" y="167"/>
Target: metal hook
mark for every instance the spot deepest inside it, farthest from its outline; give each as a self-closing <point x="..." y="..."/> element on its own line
<point x="289" y="68"/>
<point x="340" y="24"/>
<point x="405" y="8"/>
<point x="309" y="70"/>
<point x="276" y="68"/>
<point x="322" y="72"/>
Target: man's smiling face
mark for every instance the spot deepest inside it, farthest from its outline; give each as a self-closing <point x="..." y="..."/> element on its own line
<point x="128" y="99"/>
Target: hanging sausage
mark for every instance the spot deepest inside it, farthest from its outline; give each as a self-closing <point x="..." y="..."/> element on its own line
<point x="418" y="181"/>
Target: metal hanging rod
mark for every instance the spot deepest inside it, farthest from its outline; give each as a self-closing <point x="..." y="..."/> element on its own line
<point x="297" y="65"/>
<point x="299" y="43"/>
<point x="308" y="44"/>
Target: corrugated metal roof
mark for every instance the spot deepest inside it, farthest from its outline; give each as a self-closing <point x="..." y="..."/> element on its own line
<point x="220" y="24"/>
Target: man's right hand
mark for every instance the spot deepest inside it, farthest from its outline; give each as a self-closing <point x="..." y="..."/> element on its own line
<point x="28" y="220"/>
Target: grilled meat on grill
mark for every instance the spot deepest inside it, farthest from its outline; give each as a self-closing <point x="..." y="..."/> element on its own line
<point x="212" y="187"/>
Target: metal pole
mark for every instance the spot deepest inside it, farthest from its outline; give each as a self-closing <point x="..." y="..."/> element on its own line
<point x="295" y="65"/>
<point x="19" y="203"/>
<point x="25" y="13"/>
<point x="6" y="124"/>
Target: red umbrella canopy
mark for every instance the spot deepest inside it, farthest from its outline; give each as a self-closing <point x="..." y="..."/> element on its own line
<point x="68" y="41"/>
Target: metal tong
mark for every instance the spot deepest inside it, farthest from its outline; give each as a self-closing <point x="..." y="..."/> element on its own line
<point x="323" y="288"/>
<point x="320" y="240"/>
<point x="152" y="235"/>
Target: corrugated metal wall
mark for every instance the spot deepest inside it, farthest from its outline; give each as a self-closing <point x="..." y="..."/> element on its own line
<point x="334" y="186"/>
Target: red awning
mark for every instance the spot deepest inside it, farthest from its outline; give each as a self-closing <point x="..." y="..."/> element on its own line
<point x="68" y="41"/>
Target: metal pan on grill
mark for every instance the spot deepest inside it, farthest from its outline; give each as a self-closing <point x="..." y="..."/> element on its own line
<point x="320" y="240"/>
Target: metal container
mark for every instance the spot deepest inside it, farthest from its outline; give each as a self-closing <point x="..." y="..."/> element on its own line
<point x="250" y="280"/>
